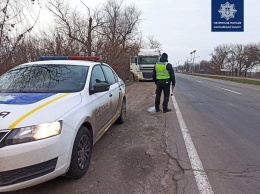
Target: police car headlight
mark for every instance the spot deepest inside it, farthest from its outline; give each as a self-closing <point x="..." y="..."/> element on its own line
<point x="33" y="133"/>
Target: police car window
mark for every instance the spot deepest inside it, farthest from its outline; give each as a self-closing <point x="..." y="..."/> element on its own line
<point x="97" y="76"/>
<point x="109" y="74"/>
<point x="47" y="78"/>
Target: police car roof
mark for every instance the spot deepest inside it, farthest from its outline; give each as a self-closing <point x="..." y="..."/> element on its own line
<point x="66" y="60"/>
<point x="62" y="62"/>
<point x="86" y="58"/>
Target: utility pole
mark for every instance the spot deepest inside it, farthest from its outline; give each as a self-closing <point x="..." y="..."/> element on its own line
<point x="190" y="61"/>
<point x="187" y="69"/>
<point x="191" y="58"/>
<point x="89" y="38"/>
<point x="194" y="57"/>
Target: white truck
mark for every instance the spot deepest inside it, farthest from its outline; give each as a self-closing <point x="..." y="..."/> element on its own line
<point x="142" y="65"/>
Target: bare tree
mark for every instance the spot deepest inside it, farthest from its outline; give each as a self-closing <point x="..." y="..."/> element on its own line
<point x="231" y="60"/>
<point x="206" y="67"/>
<point x="238" y="57"/>
<point x="110" y="31"/>
<point x="153" y="43"/>
<point x="120" y="34"/>
<point x="219" y="57"/>
<point x="75" y="25"/>
<point x="14" y="26"/>
<point x="251" y="58"/>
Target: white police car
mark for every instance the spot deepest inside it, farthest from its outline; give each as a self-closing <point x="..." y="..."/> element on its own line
<point x="51" y="113"/>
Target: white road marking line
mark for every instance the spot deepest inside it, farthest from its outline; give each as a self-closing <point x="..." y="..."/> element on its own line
<point x="221" y="88"/>
<point x="196" y="165"/>
<point x="226" y="89"/>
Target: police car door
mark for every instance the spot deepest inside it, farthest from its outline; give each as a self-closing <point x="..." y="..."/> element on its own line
<point x="114" y="90"/>
<point x="101" y="101"/>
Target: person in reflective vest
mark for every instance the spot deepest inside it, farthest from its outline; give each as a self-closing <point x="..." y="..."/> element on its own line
<point x="163" y="76"/>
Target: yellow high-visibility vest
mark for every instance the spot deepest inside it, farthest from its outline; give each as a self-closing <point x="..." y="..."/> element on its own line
<point x="161" y="71"/>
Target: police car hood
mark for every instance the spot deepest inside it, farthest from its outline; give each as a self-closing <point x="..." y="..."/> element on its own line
<point x="26" y="109"/>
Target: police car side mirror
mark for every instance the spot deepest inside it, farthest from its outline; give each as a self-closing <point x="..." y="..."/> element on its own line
<point x="100" y="87"/>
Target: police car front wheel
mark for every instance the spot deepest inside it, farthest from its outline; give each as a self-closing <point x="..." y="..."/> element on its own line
<point x="81" y="154"/>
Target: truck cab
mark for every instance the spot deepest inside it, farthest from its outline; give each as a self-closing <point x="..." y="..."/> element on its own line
<point x="142" y="65"/>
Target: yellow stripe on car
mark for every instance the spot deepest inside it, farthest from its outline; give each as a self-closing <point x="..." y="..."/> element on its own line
<point x="34" y="110"/>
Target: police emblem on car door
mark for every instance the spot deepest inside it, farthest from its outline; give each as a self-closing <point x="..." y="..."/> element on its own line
<point x="102" y="113"/>
<point x="114" y="90"/>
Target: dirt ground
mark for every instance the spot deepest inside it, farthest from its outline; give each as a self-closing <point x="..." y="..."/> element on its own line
<point x="129" y="158"/>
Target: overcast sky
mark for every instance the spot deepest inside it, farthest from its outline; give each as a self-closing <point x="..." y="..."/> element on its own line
<point x="182" y="26"/>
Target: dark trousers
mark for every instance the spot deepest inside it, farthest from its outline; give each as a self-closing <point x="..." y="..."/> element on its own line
<point x="165" y="87"/>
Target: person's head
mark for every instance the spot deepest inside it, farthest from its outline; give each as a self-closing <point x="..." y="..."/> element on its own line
<point x="164" y="58"/>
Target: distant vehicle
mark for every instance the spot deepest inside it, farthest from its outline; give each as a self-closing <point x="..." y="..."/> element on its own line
<point x="142" y="65"/>
<point x="52" y="112"/>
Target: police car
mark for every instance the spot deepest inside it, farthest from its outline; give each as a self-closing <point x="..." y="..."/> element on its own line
<point x="51" y="113"/>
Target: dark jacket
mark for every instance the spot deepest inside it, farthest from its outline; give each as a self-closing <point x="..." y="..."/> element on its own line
<point x="169" y="68"/>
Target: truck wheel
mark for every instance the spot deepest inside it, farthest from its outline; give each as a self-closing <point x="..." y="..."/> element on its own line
<point x="122" y="117"/>
<point x="81" y="154"/>
<point x="134" y="78"/>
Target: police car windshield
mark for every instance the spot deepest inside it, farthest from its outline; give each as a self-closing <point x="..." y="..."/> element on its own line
<point x="44" y="79"/>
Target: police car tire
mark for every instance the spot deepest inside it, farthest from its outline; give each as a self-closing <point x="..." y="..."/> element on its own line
<point x="75" y="172"/>
<point x="121" y="118"/>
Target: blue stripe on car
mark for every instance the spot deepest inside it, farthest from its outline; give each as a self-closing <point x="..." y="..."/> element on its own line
<point x="23" y="98"/>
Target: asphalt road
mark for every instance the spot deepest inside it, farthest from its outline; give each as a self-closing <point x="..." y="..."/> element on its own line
<point x="223" y="119"/>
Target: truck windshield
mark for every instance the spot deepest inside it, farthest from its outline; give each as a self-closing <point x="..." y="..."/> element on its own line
<point x="44" y="79"/>
<point x="148" y="59"/>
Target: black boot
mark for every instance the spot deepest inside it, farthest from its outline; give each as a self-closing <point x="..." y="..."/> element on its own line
<point x="167" y="110"/>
